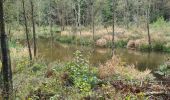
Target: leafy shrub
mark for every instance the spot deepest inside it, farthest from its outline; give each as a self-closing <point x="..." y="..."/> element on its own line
<point x="144" y="47"/>
<point x="163" y="70"/>
<point x="85" y="42"/>
<point x="166" y="49"/>
<point x="160" y="22"/>
<point x="118" y="44"/>
<point x="158" y="46"/>
<point x="65" y="39"/>
<point x="82" y="75"/>
<point x="121" y="43"/>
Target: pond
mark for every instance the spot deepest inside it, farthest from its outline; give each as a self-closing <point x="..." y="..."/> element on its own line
<point x="64" y="52"/>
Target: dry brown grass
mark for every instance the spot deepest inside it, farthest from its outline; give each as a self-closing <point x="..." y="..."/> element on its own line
<point x="115" y="66"/>
<point x="109" y="68"/>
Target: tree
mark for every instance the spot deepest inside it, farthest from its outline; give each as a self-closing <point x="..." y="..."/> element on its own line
<point x="6" y="63"/>
<point x="113" y="27"/>
<point x="127" y="13"/>
<point x="148" y="21"/>
<point x="33" y="27"/>
<point x="26" y="30"/>
<point x="77" y="12"/>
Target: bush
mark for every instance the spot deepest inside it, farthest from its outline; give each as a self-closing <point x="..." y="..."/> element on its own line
<point x="160" y="23"/>
<point x="163" y="70"/>
<point x="118" y="44"/>
<point x="144" y="47"/>
<point x="121" y="43"/>
<point x="83" y="76"/>
<point x="166" y="49"/>
<point x="158" y="46"/>
<point x="65" y="39"/>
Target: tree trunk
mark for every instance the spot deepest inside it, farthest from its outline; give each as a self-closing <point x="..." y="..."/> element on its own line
<point x="138" y="19"/>
<point x="92" y="15"/>
<point x="26" y="30"/>
<point x="6" y="63"/>
<point x="127" y="14"/>
<point x="51" y="24"/>
<point x="33" y="28"/>
<point x="113" y="27"/>
<point x="63" y="17"/>
<point x="79" y="16"/>
<point x="148" y="21"/>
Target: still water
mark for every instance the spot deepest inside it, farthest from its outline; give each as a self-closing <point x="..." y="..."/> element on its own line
<point x="64" y="52"/>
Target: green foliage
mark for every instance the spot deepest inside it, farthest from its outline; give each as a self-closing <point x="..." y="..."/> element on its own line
<point x="21" y="64"/>
<point x="118" y="44"/>
<point x="13" y="44"/>
<point x="160" y="22"/>
<point x="158" y="46"/>
<point x="74" y="40"/>
<point x="144" y="47"/>
<point x="107" y="12"/>
<point x="121" y="43"/>
<point x="85" y="41"/>
<point x="65" y="39"/>
<point x="163" y="70"/>
<point x="166" y="49"/>
<point x="83" y="76"/>
<point x="139" y="96"/>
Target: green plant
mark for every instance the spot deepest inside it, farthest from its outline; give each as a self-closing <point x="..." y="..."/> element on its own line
<point x="83" y="76"/>
<point x="121" y="43"/>
<point x="144" y="47"/>
<point x="65" y="39"/>
<point x="163" y="70"/>
<point x="160" y="22"/>
<point x="166" y="49"/>
<point x="158" y="46"/>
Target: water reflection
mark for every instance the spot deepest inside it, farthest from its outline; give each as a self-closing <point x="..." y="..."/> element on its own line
<point x="64" y="52"/>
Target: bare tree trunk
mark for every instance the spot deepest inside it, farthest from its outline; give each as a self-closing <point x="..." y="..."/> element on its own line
<point x="39" y="19"/>
<point x="6" y="63"/>
<point x="92" y="15"/>
<point x="148" y="21"/>
<point x="51" y="24"/>
<point x="113" y="28"/>
<point x="138" y="19"/>
<point x="79" y="16"/>
<point x="33" y="28"/>
<point x="63" y="17"/>
<point x="26" y="30"/>
<point x="51" y="29"/>
<point x="127" y="14"/>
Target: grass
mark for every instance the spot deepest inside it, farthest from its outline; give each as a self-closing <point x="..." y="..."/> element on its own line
<point x="159" y="28"/>
<point x="156" y="46"/>
<point x="66" y="80"/>
<point x="129" y="72"/>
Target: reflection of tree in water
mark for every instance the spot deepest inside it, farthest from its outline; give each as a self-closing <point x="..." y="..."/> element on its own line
<point x="64" y="52"/>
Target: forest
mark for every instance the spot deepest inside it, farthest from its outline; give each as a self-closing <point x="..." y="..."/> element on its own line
<point x="85" y="49"/>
